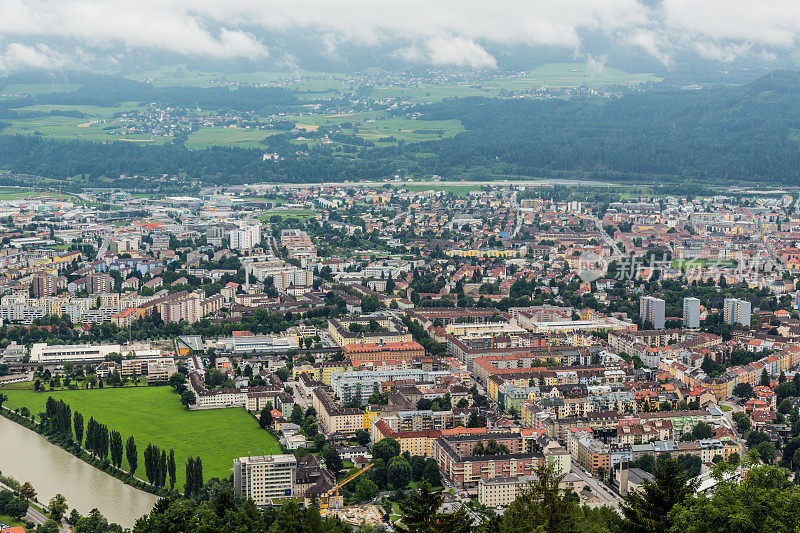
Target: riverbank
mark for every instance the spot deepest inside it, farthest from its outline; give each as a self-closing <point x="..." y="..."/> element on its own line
<point x="51" y="469"/>
<point x="155" y="415"/>
<point x="81" y="453"/>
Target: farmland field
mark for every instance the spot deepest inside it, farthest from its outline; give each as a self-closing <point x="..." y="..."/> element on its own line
<point x="567" y="75"/>
<point x="13" y="90"/>
<point x="71" y="128"/>
<point x="155" y="415"/>
<point x="235" y="137"/>
<point x="374" y="125"/>
<point x="88" y="110"/>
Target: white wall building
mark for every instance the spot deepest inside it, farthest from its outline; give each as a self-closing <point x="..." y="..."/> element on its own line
<point x="264" y="477"/>
<point x="737" y="311"/>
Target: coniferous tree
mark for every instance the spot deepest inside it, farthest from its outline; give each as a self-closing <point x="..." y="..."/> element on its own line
<point x="116" y="449"/>
<point x="189" y="487"/>
<point x="648" y="511"/>
<point x="131" y="455"/>
<point x="78" y="423"/>
<point x="162" y="468"/>
<point x="171" y="469"/>
<point x="421" y="514"/>
<point x="149" y="471"/>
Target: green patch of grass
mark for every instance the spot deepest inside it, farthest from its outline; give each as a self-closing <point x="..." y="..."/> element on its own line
<point x="11" y="522"/>
<point x="241" y="138"/>
<point x="155" y="415"/>
<point x="22" y="385"/>
<point x="726" y="408"/>
<point x="686" y="264"/>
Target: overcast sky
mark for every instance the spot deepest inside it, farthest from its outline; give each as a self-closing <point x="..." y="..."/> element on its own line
<point x="68" y="34"/>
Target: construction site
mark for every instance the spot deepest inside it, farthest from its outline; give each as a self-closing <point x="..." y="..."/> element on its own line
<point x="356" y="515"/>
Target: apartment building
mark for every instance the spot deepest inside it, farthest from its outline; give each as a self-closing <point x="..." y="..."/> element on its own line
<point x="186" y="308"/>
<point x="464" y="471"/>
<point x="390" y="351"/>
<point x="651" y="309"/>
<point x="691" y="313"/>
<point x="737" y="311"/>
<point x="334" y="417"/>
<point x="264" y="478"/>
<point x="97" y="283"/>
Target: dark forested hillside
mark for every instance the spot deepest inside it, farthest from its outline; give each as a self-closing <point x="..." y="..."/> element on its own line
<point x="744" y="133"/>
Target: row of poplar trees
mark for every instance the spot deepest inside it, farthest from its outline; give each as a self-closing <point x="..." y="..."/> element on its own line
<point x="157" y="464"/>
<point x="105" y="444"/>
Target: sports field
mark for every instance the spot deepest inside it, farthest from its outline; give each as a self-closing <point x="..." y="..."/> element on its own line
<point x="155" y="415"/>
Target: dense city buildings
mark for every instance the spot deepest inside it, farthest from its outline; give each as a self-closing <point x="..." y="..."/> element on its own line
<point x="463" y="328"/>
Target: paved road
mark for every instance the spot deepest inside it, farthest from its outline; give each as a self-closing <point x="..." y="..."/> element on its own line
<point x="298" y="398"/>
<point x="603" y="493"/>
<point x="35" y="516"/>
<point x="607" y="238"/>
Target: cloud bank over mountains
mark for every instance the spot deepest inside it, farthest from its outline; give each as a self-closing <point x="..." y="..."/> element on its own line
<point x="476" y="34"/>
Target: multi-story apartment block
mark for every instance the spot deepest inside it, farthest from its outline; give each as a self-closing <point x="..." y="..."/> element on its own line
<point x="264" y="478"/>
<point x="691" y="313"/>
<point x="737" y="311"/>
<point x="651" y="309"/>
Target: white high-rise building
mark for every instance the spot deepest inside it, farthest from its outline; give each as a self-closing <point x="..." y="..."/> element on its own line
<point x="691" y="313"/>
<point x="737" y="311"/>
<point x="264" y="477"/>
<point x="246" y="237"/>
<point x="651" y="309"/>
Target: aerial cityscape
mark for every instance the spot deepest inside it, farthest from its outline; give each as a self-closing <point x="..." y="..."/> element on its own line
<point x="392" y="275"/>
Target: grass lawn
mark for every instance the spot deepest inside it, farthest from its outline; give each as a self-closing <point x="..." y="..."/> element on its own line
<point x="11" y="522"/>
<point x="155" y="415"/>
<point x="376" y="125"/>
<point x="726" y="408"/>
<point x="396" y="513"/>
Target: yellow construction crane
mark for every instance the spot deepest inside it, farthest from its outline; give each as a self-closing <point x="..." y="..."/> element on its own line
<point x="325" y="499"/>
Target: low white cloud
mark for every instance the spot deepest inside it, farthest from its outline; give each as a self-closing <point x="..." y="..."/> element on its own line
<point x="448" y="51"/>
<point x="459" y="52"/>
<point x="651" y="42"/>
<point x="17" y="56"/>
<point x="723" y="53"/>
<point x="596" y="65"/>
<point x="441" y="32"/>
